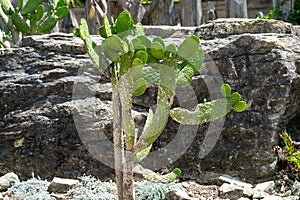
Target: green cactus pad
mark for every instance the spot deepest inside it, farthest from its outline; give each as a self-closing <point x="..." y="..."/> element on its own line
<point x="141" y="155"/>
<point x="240" y="106"/>
<point x="151" y="75"/>
<point x="92" y="49"/>
<point x="20" y="4"/>
<point x="20" y="24"/>
<point x="140" y="86"/>
<point x="234" y="98"/>
<point x="139" y="30"/>
<point x="124" y="23"/>
<point x="142" y="55"/>
<point x="30" y="6"/>
<point x="39" y="12"/>
<point x="113" y="47"/>
<point x="203" y="113"/>
<point x="144" y="41"/>
<point x="226" y="90"/>
<point x="157" y="50"/>
<point x="105" y="30"/>
<point x="61" y="12"/>
<point x="160" y="41"/>
<point x="187" y="48"/>
<point x="154" y="177"/>
<point x="185" y="76"/>
<point x="47" y="24"/>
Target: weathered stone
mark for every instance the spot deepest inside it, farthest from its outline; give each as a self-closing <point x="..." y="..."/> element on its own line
<point x="272" y="197"/>
<point x="232" y="180"/>
<point x="178" y="195"/>
<point x="61" y="185"/>
<point x="231" y="191"/>
<point x="8" y="180"/>
<point x="291" y="198"/>
<point x="268" y="187"/>
<point x="258" y="58"/>
<point x="296" y="188"/>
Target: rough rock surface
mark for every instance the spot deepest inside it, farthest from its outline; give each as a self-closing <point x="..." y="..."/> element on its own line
<point x="37" y="123"/>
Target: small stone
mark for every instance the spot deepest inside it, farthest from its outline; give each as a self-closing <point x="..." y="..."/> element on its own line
<point x="231" y="191"/>
<point x="291" y="198"/>
<point x="60" y="185"/>
<point x="267" y="187"/>
<point x="8" y="180"/>
<point x="296" y="188"/>
<point x="259" y="194"/>
<point x="272" y="197"/>
<point x="178" y="195"/>
<point x="232" y="180"/>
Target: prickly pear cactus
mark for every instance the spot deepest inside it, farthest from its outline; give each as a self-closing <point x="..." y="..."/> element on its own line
<point x="31" y="19"/>
<point x="137" y="62"/>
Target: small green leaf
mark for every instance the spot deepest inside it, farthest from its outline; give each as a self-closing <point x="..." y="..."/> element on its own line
<point x="105" y="30"/>
<point x="171" y="51"/>
<point x="139" y="29"/>
<point x="124" y="22"/>
<point x="159" y="40"/>
<point x="142" y="154"/>
<point x="19" y="23"/>
<point x="234" y="98"/>
<point x="39" y="12"/>
<point x="61" y="12"/>
<point x="30" y="6"/>
<point x="137" y="62"/>
<point x="76" y="32"/>
<point x="240" y="106"/>
<point x="20" y="4"/>
<point x="140" y="86"/>
<point x="142" y="55"/>
<point x="157" y="50"/>
<point x="226" y="90"/>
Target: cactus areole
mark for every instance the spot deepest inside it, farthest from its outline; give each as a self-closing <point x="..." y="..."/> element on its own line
<point x="135" y="63"/>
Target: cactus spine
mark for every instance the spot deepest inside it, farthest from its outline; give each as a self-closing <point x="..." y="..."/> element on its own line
<point x="138" y="62"/>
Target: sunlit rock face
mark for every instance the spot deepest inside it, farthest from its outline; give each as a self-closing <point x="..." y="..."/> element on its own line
<point x="55" y="108"/>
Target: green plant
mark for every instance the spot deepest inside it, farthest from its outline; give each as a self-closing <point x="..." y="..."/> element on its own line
<point x="147" y="190"/>
<point x="136" y="62"/>
<point x="293" y="156"/>
<point x="292" y="16"/>
<point x="32" y="189"/>
<point x="89" y="188"/>
<point x="32" y="18"/>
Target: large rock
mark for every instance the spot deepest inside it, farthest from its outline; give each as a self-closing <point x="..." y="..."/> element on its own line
<point x="42" y="128"/>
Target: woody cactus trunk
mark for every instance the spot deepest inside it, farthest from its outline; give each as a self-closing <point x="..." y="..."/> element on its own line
<point x="136" y="62"/>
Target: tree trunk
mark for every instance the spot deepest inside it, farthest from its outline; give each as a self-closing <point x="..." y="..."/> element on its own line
<point x="93" y="14"/>
<point x="161" y="12"/>
<point x="124" y="160"/>
<point x="191" y="12"/>
<point x="118" y="142"/>
<point x="236" y="8"/>
<point x="135" y="8"/>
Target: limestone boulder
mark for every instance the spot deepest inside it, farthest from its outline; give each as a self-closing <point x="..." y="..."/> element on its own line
<point x="56" y="117"/>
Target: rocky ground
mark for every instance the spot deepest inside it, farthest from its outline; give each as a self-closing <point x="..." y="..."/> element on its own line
<point x="88" y="187"/>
